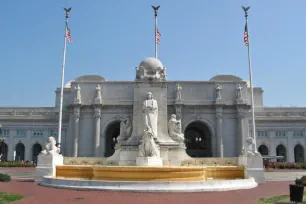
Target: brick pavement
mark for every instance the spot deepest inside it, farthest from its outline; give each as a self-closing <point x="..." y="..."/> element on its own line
<point x="37" y="194"/>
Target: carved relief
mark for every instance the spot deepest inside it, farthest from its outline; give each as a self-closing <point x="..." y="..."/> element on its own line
<point x="97" y="113"/>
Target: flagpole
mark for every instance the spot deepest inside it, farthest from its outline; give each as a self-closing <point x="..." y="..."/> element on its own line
<point x="62" y="82"/>
<point x="155" y="14"/>
<point x="251" y="80"/>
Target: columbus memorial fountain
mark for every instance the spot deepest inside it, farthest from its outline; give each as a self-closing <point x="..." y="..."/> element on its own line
<point x="150" y="153"/>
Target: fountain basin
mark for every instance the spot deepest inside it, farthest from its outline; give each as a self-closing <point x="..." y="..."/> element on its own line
<point x="136" y="173"/>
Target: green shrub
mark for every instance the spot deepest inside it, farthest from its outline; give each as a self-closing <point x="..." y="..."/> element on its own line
<point x="16" y="164"/>
<point x="5" y="178"/>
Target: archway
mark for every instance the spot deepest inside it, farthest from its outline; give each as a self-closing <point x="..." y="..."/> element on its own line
<point x="281" y="151"/>
<point x="3" y="151"/>
<point x="36" y="149"/>
<point x="20" y="152"/>
<point x="111" y="134"/>
<point x="198" y="140"/>
<point x="299" y="153"/>
<point x="263" y="150"/>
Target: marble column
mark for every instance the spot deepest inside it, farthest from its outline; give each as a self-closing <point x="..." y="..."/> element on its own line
<point x="76" y="114"/>
<point x="178" y="111"/>
<point x="240" y="134"/>
<point x="290" y="147"/>
<point x="28" y="146"/>
<point x="272" y="146"/>
<point x="97" y="115"/>
<point x="219" y="132"/>
<point x="11" y="148"/>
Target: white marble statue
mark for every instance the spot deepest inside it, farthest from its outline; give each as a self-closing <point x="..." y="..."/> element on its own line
<point x="163" y="73"/>
<point x="218" y="92"/>
<point x="175" y="129"/>
<point x="150" y="113"/>
<point x="249" y="149"/>
<point x="77" y="98"/>
<point x="98" y="98"/>
<point x="50" y="147"/>
<point x="239" y="91"/>
<point x="125" y="129"/>
<point x="178" y="92"/>
<point x="148" y="147"/>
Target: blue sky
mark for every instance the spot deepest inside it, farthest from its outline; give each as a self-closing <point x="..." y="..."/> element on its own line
<point x="199" y="39"/>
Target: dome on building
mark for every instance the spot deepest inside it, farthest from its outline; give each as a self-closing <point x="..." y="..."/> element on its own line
<point x="231" y="78"/>
<point x="90" y="78"/>
<point x="151" y="63"/>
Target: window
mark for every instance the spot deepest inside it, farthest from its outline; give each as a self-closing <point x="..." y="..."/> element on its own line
<point x="20" y="132"/>
<point x="280" y="133"/>
<point x="5" y="132"/>
<point x="53" y="132"/>
<point x="38" y="133"/>
<point x="298" y="133"/>
<point x="262" y="133"/>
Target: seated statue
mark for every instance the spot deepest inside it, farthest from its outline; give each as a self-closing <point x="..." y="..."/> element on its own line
<point x="175" y="129"/>
<point x="125" y="130"/>
<point x="50" y="147"/>
<point x="148" y="147"/>
<point x="249" y="149"/>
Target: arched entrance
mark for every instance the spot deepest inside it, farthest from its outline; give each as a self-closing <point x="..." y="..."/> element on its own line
<point x="19" y="152"/>
<point x="36" y="149"/>
<point x="263" y="150"/>
<point x="3" y="151"/>
<point x="281" y="151"/>
<point x="299" y="153"/>
<point x="111" y="134"/>
<point x="198" y="140"/>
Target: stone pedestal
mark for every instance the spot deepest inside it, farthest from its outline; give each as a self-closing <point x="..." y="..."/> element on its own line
<point x="253" y="167"/>
<point x="149" y="161"/>
<point x="46" y="165"/>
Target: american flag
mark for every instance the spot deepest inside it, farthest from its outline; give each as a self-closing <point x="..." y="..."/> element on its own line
<point x="157" y="36"/>
<point x="68" y="35"/>
<point x="246" y="35"/>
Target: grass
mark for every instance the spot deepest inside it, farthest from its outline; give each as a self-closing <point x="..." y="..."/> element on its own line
<point x="8" y="198"/>
<point x="281" y="198"/>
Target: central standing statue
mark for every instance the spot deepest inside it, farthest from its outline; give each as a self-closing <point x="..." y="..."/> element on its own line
<point x="150" y="113"/>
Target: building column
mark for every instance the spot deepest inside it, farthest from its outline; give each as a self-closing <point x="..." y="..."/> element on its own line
<point x="28" y="146"/>
<point x="11" y="149"/>
<point x="240" y="134"/>
<point x="76" y="125"/>
<point x="219" y="132"/>
<point x="272" y="146"/>
<point x="178" y="110"/>
<point x="97" y="115"/>
<point x="290" y="148"/>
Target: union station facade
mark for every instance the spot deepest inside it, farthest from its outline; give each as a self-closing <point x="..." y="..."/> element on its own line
<point x="215" y="115"/>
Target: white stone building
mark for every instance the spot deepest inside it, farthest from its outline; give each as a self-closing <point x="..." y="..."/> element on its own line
<point x="215" y="117"/>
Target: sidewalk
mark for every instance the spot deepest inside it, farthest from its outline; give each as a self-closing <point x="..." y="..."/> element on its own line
<point x="37" y="194"/>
